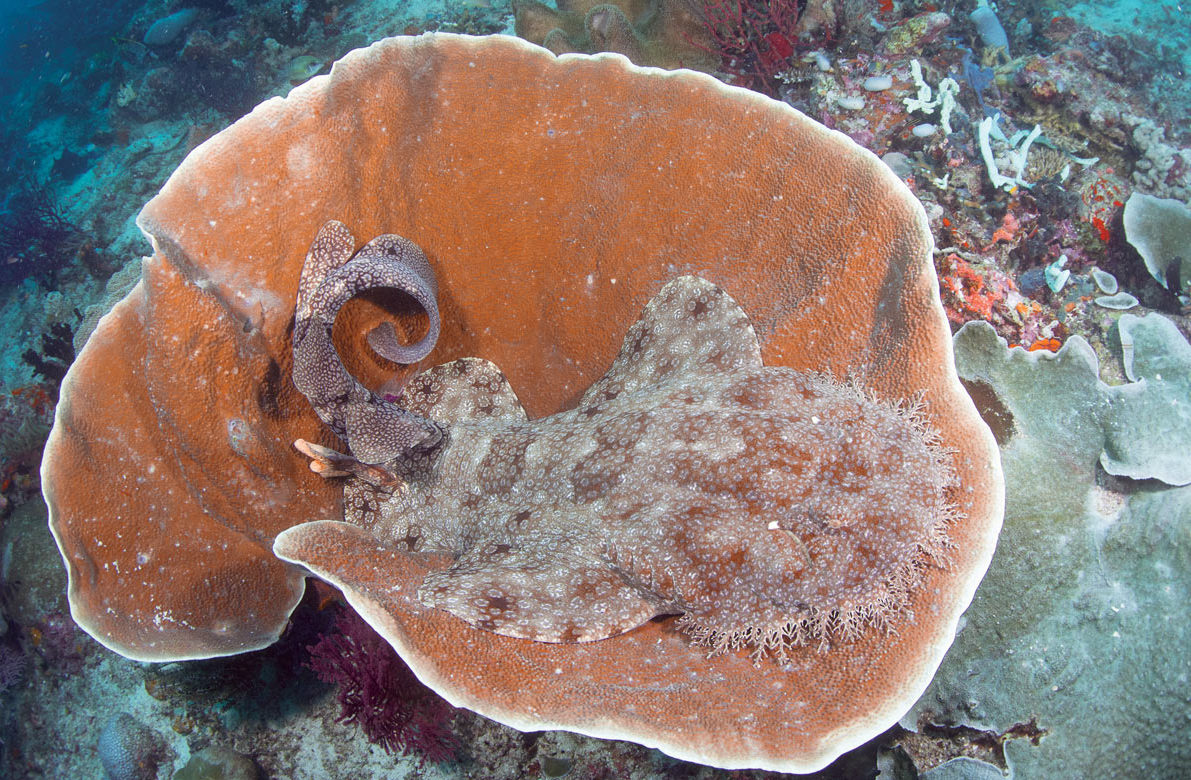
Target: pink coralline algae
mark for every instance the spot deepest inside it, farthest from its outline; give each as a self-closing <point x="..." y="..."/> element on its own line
<point x="968" y="293"/>
<point x="755" y="40"/>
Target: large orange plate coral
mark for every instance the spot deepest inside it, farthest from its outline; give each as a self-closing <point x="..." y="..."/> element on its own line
<point x="554" y="197"/>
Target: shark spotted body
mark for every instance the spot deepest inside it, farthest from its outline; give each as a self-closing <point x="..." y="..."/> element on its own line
<point x="766" y="507"/>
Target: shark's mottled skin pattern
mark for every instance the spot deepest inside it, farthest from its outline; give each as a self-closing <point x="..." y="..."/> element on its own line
<point x="376" y="430"/>
<point x="766" y="506"/>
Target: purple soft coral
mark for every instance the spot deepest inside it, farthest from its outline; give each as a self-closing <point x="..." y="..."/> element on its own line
<point x="378" y="692"/>
<point x="12" y="666"/>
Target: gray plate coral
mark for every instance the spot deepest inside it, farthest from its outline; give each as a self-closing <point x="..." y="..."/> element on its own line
<point x="1076" y="624"/>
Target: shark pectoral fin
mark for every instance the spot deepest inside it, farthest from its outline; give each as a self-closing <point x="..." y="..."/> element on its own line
<point x="539" y="593"/>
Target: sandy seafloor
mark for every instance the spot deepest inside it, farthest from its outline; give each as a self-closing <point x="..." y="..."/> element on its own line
<point x="82" y="130"/>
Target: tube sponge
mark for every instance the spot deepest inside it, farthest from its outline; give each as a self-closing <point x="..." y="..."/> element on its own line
<point x="990" y="29"/>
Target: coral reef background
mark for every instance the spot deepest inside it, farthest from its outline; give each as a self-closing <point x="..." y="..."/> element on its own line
<point x="1024" y="135"/>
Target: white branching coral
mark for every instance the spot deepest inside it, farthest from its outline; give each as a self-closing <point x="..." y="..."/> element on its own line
<point x="927" y="102"/>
